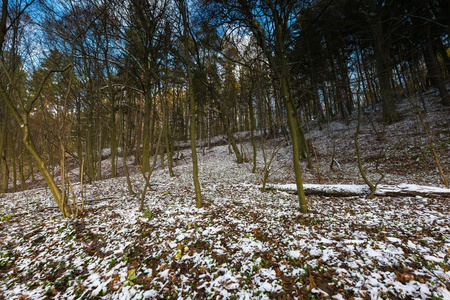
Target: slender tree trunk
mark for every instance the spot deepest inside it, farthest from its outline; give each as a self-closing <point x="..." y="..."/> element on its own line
<point x="79" y="139"/>
<point x="186" y="121"/>
<point x="122" y="136"/>
<point x="198" y="195"/>
<point x="208" y="123"/>
<point x="138" y="134"/>
<point x="152" y="167"/>
<point x="381" y="52"/>
<point x="112" y="107"/>
<point x="358" y="155"/>
<point x="291" y="115"/>
<point x="22" y="171"/>
<point x="30" y="165"/>
<point x="90" y="149"/>
<point x="29" y="144"/>
<point x="293" y="126"/>
<point x="3" y="112"/>
<point x="361" y="78"/>
<point x="435" y="74"/>
<point x="44" y="171"/>
<point x="22" y="120"/>
<point x="347" y="91"/>
<point x="113" y="142"/>
<point x="304" y="149"/>
<point x="161" y="155"/>
<point x="3" y="28"/>
<point x="166" y="137"/>
<point x="99" y="150"/>
<point x="443" y="51"/>
<point x="231" y="138"/>
<point x="4" y="153"/>
<point x="63" y="170"/>
<point x="252" y="129"/>
<point x="14" y="162"/>
<point x="146" y="136"/>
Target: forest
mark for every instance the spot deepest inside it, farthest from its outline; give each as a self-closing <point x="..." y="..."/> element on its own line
<point x="235" y="149"/>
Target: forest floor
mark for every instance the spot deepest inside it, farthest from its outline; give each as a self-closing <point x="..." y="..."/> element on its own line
<point x="245" y="244"/>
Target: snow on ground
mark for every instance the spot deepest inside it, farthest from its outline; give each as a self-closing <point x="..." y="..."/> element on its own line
<point x="244" y="244"/>
<point x="401" y="150"/>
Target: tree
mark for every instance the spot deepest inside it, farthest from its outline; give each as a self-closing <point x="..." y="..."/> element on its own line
<point x="378" y="22"/>
<point x="21" y="114"/>
<point x="270" y="22"/>
<point x="145" y="44"/>
<point x="22" y="108"/>
<point x="3" y="112"/>
<point x="192" y="107"/>
<point x="4" y="169"/>
<point x="431" y="33"/>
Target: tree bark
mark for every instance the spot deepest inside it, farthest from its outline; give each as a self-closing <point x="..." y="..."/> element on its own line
<point x="113" y="136"/>
<point x="14" y="161"/>
<point x="252" y="129"/>
<point x="122" y="136"/>
<point x="90" y="149"/>
<point x="192" y="110"/>
<point x="22" y="120"/>
<point x="166" y="137"/>
<point x="29" y="144"/>
<point x="279" y="63"/>
<point x="3" y="152"/>
<point x="384" y="78"/>
<point x="231" y="138"/>
<point x="146" y="138"/>
<point x="3" y="27"/>
<point x="358" y="155"/>
<point x="381" y="54"/>
<point x="3" y="111"/>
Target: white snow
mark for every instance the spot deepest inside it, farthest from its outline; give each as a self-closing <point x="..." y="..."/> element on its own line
<point x="244" y="243"/>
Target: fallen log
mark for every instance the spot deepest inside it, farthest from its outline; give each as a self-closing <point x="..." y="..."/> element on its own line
<point x="349" y="190"/>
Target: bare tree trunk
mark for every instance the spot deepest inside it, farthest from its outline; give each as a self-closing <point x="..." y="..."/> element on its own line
<point x="113" y="142"/>
<point x="136" y="145"/>
<point x="22" y="171"/>
<point x="146" y="136"/>
<point x="99" y="149"/>
<point x="3" y="28"/>
<point x="358" y="155"/>
<point x="14" y="161"/>
<point x="192" y="113"/>
<point x="279" y="64"/>
<point x="3" y="152"/>
<point x="252" y="130"/>
<point x="381" y="51"/>
<point x="152" y="167"/>
<point x="22" y="120"/>
<point x="80" y="153"/>
<point x="231" y="138"/>
<point x="166" y="137"/>
<point x="3" y="113"/>
<point x="90" y="150"/>
<point x="30" y="165"/>
<point x="63" y="170"/>
<point x="122" y="135"/>
<point x="434" y="73"/>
